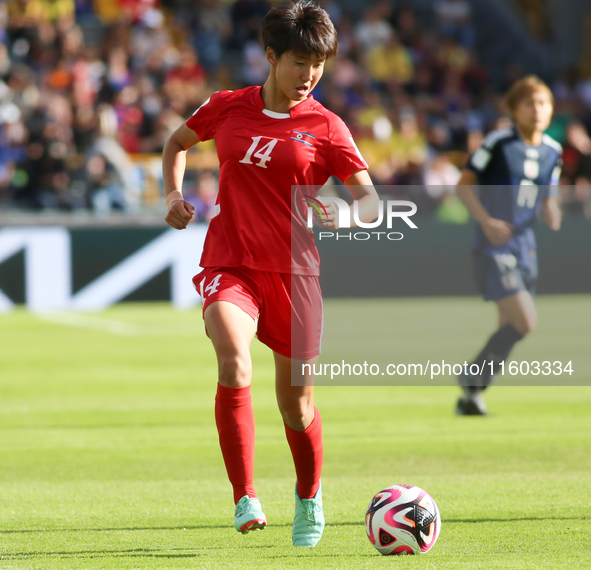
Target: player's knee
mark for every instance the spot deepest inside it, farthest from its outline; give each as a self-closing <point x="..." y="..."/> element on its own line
<point x="527" y="324"/>
<point x="530" y="324"/>
<point x="234" y="370"/>
<point x="296" y="413"/>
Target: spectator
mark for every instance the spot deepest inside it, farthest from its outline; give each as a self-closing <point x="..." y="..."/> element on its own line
<point x="390" y="62"/>
<point x="455" y="20"/>
<point x="575" y="192"/>
<point x="203" y="196"/>
<point x="187" y="79"/>
<point x="256" y="66"/>
<point x="374" y="30"/>
<point x="440" y="176"/>
<point x="113" y="181"/>
<point x="210" y="25"/>
<point x="246" y="16"/>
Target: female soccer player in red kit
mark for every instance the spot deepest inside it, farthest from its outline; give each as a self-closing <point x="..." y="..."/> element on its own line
<point x="269" y="140"/>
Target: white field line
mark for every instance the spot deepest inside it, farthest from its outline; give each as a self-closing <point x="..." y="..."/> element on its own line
<point x="119" y="327"/>
<point x="91" y="322"/>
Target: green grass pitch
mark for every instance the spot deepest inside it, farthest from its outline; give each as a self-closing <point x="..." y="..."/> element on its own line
<point x="109" y="456"/>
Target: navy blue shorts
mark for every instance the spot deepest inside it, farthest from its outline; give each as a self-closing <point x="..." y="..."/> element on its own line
<point x="500" y="276"/>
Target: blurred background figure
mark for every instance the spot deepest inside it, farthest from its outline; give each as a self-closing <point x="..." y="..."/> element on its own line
<point x="454" y="20"/>
<point x="202" y="195"/>
<point x="113" y="180"/>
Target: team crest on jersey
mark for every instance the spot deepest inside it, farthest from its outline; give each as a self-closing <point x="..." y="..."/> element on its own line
<point x="303" y="137"/>
<point x="531" y="169"/>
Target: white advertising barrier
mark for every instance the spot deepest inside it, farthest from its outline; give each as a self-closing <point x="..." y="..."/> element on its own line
<point x="48" y="269"/>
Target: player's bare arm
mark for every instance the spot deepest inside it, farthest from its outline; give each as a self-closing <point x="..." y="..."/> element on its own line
<point x="174" y="161"/>
<point x="363" y="192"/>
<point x="552" y="213"/>
<point x="496" y="231"/>
<point x="361" y="188"/>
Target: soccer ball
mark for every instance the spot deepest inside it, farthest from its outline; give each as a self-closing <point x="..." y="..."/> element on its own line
<point x="402" y="519"/>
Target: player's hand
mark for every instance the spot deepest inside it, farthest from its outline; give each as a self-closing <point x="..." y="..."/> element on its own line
<point x="498" y="232"/>
<point x="553" y="216"/>
<point x="329" y="220"/>
<point x="180" y="214"/>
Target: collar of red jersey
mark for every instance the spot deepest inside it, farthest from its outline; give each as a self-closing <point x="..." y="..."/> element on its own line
<point x="293" y="112"/>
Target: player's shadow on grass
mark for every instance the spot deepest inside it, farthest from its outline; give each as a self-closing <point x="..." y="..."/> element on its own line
<point x="89" y="554"/>
<point x="139" y="528"/>
<point x="273" y="525"/>
<point x="145" y="553"/>
<point x="128" y="528"/>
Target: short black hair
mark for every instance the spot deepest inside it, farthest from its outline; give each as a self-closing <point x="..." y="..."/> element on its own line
<point x="302" y="28"/>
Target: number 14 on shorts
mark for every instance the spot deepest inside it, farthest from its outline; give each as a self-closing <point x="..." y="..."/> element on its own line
<point x="211" y="288"/>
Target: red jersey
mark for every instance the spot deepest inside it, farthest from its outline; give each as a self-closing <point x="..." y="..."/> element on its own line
<point x="262" y="155"/>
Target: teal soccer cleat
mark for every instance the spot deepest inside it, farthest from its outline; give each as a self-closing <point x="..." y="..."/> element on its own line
<point x="249" y="515"/>
<point x="308" y="523"/>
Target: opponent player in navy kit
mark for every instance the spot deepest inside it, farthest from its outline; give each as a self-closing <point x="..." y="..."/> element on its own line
<point x="260" y="264"/>
<point x="517" y="171"/>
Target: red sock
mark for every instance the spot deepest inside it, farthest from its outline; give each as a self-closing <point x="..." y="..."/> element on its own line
<point x="306" y="449"/>
<point x="234" y="418"/>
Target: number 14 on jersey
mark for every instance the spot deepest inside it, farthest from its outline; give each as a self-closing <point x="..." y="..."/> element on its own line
<point x="264" y="153"/>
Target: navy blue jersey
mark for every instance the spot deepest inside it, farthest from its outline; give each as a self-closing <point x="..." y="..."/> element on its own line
<point x="513" y="179"/>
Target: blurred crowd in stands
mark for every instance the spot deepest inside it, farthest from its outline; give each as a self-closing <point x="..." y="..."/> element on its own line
<point x="88" y="88"/>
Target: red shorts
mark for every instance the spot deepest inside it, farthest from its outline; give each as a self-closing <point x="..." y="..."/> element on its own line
<point x="288" y="307"/>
